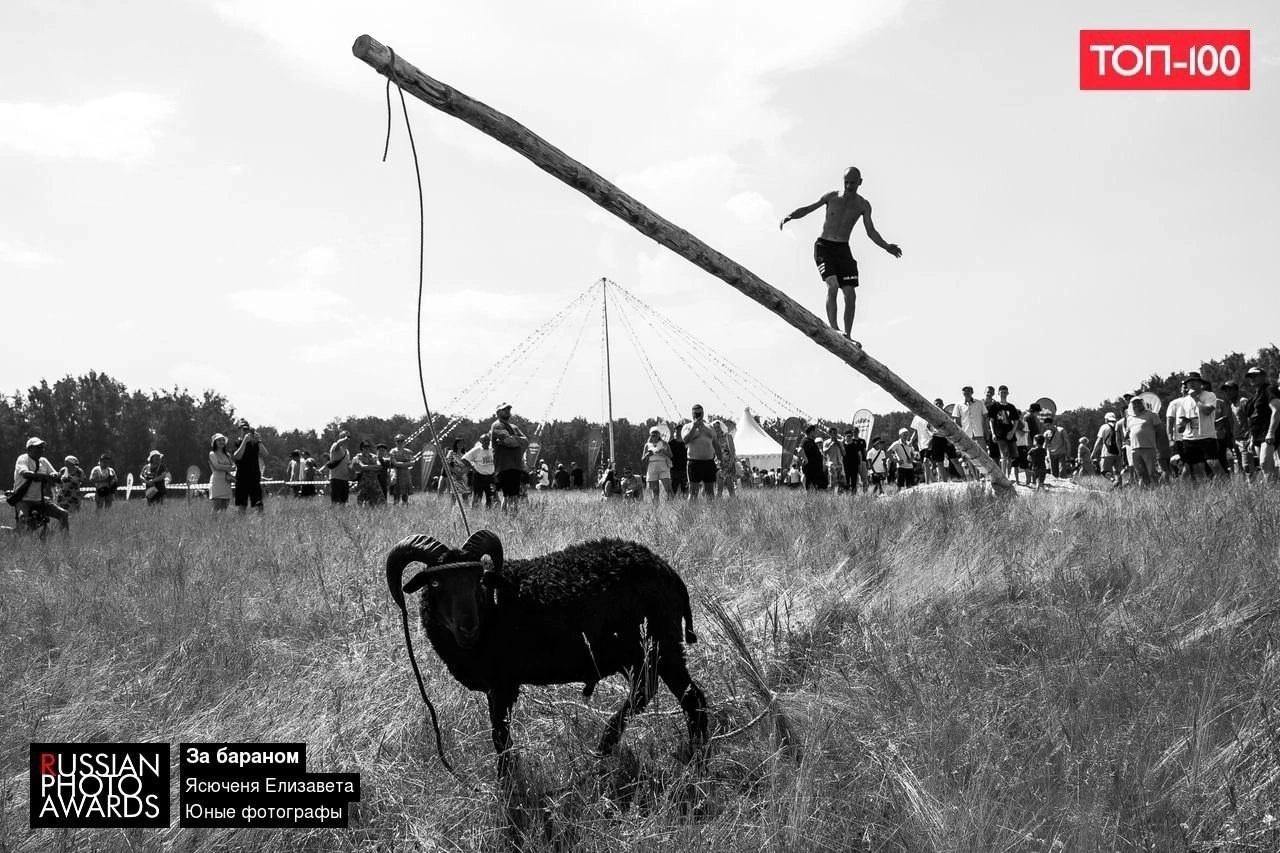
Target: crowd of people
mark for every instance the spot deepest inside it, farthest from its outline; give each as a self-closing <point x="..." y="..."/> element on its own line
<point x="1203" y="434"/>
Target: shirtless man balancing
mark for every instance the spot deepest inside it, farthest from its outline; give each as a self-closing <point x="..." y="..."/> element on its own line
<point x="831" y="251"/>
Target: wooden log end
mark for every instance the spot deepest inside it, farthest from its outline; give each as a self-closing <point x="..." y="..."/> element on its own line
<point x="367" y="48"/>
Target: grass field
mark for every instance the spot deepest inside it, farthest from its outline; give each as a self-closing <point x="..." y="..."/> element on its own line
<point x="1078" y="671"/>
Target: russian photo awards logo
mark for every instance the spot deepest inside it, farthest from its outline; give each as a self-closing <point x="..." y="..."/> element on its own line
<point x="99" y="785"/>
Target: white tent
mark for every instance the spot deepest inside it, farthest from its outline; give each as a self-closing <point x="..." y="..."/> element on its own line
<point x="752" y="443"/>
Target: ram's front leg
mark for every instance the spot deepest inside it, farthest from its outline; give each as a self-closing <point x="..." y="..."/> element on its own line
<point x="500" y="701"/>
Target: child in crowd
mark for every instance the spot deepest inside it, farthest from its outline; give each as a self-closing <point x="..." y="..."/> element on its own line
<point x="1039" y="458"/>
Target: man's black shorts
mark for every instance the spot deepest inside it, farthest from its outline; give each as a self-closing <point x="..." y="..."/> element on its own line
<point x="1199" y="451"/>
<point x="481" y="484"/>
<point x="248" y="493"/>
<point x="940" y="449"/>
<point x="509" y="481"/>
<point x="339" y="491"/>
<point x="834" y="259"/>
<point x="702" y="471"/>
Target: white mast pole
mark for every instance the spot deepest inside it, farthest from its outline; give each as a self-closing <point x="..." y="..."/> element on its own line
<point x="608" y="373"/>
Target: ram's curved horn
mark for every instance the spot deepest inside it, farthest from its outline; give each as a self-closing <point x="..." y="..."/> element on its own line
<point x="418" y="548"/>
<point x="481" y="543"/>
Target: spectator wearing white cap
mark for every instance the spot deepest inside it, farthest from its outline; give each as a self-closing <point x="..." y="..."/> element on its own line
<point x="33" y="483"/>
<point x="904" y="456"/>
<point x="1191" y="424"/>
<point x="1106" y="448"/>
<point x="509" y="444"/>
<point x="155" y="478"/>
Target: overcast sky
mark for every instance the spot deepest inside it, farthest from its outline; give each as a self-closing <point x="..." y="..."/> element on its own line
<point x="193" y="195"/>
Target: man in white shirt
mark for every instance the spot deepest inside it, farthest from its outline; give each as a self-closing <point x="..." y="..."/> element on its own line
<point x="971" y="415"/>
<point x="480" y="460"/>
<point x="33" y="483"/>
<point x="1192" y="427"/>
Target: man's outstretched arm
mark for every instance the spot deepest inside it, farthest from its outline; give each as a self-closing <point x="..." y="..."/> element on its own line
<point x="891" y="248"/>
<point x="801" y="212"/>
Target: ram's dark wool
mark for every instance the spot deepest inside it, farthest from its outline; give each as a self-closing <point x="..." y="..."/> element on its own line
<point x="581" y="614"/>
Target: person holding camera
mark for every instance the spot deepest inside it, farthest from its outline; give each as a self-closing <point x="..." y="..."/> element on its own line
<point x="1191" y="423"/>
<point x="104" y="482"/>
<point x="703" y="451"/>
<point x="248" y="487"/>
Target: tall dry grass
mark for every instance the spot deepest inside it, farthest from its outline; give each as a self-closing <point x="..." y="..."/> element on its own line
<point x="933" y="672"/>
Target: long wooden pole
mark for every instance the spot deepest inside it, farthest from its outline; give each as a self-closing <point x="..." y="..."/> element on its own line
<point x="552" y="160"/>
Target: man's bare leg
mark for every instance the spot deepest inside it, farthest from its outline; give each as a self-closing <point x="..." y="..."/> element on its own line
<point x="850" y="306"/>
<point x="833" y="288"/>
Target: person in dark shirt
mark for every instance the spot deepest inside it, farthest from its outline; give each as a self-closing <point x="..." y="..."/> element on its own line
<point x="248" y="488"/>
<point x="1264" y="419"/>
<point x="1003" y="416"/>
<point x="560" y="480"/>
<point x="679" y="462"/>
<point x="384" y="468"/>
<point x="812" y="466"/>
<point x="509" y="444"/>
<point x="855" y="457"/>
<point x="1031" y="427"/>
<point x="577" y="476"/>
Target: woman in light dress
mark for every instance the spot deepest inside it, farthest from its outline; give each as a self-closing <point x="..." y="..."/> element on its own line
<point x="657" y="457"/>
<point x="222" y="468"/>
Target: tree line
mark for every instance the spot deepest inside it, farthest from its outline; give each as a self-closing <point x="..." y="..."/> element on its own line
<point x="88" y="415"/>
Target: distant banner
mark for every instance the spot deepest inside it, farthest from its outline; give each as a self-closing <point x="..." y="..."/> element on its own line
<point x="792" y="429"/>
<point x="593" y="452"/>
<point x="865" y="422"/>
<point x="428" y="462"/>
